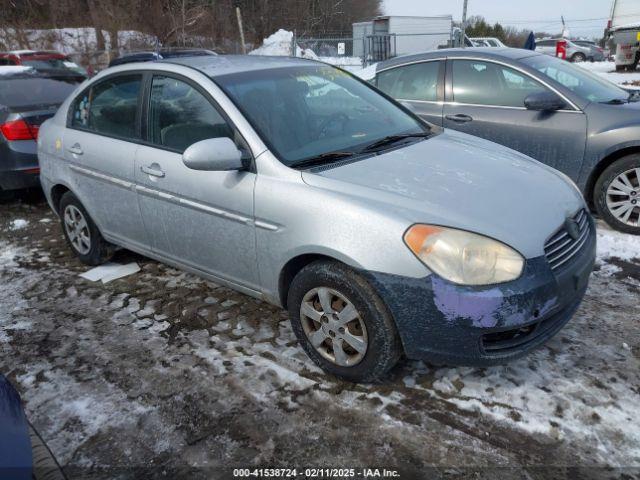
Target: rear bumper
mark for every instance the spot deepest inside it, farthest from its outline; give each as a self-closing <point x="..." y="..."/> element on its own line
<point x="450" y="324"/>
<point x="19" y="165"/>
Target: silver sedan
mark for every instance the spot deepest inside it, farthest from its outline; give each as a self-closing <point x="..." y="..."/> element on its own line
<point x="296" y="183"/>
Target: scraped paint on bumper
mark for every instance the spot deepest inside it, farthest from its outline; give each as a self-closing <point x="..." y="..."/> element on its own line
<point x="445" y="323"/>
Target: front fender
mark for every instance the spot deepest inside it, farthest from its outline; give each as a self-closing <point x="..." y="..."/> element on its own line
<point x="296" y="219"/>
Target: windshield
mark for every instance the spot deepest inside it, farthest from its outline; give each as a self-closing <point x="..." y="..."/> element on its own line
<point x="303" y="112"/>
<point x="580" y="81"/>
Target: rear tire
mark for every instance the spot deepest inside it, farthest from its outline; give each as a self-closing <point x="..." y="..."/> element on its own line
<point x="617" y="192"/>
<point x="361" y="350"/>
<point x="82" y="234"/>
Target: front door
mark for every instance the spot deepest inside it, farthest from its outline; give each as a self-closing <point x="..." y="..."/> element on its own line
<point x="198" y="218"/>
<point x="100" y="146"/>
<point x="420" y="86"/>
<point x="486" y="99"/>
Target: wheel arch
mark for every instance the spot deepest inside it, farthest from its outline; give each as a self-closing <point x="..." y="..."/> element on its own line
<point x="57" y="191"/>
<point x="294" y="266"/>
<point x="605" y="163"/>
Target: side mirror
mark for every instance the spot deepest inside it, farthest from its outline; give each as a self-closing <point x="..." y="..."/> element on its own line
<point x="213" y="154"/>
<point x="544" y="102"/>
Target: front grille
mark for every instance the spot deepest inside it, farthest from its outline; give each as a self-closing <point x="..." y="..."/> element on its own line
<point x="562" y="247"/>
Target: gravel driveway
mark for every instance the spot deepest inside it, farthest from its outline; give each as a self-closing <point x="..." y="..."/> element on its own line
<point x="163" y="374"/>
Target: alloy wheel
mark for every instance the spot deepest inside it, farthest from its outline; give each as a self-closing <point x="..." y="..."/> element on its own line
<point x="623" y="197"/>
<point x="334" y="326"/>
<point x="77" y="229"/>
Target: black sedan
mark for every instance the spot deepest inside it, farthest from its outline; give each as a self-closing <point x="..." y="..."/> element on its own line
<point x="27" y="98"/>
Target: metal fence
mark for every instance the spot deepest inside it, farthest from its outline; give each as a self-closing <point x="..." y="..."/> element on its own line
<point x="345" y="50"/>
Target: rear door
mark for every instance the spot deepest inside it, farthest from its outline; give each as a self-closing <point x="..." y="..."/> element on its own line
<point x="202" y="219"/>
<point x="100" y="145"/>
<point x="419" y="85"/>
<point x="486" y="99"/>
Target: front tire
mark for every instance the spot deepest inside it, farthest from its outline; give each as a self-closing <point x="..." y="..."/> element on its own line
<point x="81" y="232"/>
<point x="617" y="194"/>
<point x="342" y="323"/>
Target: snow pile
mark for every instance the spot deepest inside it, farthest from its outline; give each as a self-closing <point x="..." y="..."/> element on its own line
<point x="13" y="69"/>
<point x="18" y="224"/>
<point x="612" y="244"/>
<point x="276" y="45"/>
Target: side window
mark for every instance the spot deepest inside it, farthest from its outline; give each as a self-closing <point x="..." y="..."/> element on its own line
<point x="487" y="83"/>
<point x="412" y="82"/>
<point x="109" y="107"/>
<point x="179" y="115"/>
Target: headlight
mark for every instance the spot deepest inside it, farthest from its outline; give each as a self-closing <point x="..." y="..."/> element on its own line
<point x="463" y="257"/>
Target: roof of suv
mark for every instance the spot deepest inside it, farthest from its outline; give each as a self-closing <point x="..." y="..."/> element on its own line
<point x="216" y="66"/>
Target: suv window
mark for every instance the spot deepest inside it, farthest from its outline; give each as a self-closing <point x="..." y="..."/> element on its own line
<point x="487" y="83"/>
<point x="412" y="82"/>
<point x="110" y="107"/>
<point x="179" y="115"/>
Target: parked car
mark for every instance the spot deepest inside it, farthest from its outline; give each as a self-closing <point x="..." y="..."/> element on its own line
<point x="23" y="453"/>
<point x="43" y="61"/>
<point x="294" y="182"/>
<point x="487" y="42"/>
<point x="596" y="52"/>
<point x="575" y="52"/>
<point x="159" y="55"/>
<point x="27" y="98"/>
<point x="555" y="112"/>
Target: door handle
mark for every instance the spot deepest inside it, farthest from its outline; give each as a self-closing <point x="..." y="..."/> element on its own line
<point x="459" y="118"/>
<point x="75" y="149"/>
<point x="154" y="172"/>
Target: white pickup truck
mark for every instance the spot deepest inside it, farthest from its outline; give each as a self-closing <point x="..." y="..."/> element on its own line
<point x="624" y="27"/>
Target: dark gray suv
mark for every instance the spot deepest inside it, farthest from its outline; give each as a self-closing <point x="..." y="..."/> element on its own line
<point x="551" y="110"/>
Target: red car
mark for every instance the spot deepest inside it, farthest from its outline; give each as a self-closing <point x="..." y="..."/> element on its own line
<point x="42" y="60"/>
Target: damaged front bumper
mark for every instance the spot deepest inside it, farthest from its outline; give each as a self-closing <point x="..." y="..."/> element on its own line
<point x="445" y="323"/>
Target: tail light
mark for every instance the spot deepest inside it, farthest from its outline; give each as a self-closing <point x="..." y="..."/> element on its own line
<point x="609" y="24"/>
<point x="19" y="130"/>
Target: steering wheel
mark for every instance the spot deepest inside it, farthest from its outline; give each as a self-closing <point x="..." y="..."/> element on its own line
<point x="341" y="117"/>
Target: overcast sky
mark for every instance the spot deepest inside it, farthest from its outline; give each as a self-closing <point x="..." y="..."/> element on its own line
<point x="586" y="18"/>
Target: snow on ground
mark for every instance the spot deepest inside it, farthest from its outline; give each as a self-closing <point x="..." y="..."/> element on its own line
<point x="18" y="224"/>
<point x="164" y="368"/>
<point x="612" y="244"/>
<point x="608" y="70"/>
<point x="71" y="40"/>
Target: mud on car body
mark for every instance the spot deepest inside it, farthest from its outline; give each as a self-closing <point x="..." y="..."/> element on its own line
<point x="294" y="182"/>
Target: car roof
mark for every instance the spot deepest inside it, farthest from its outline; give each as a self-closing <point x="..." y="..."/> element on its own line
<point x="216" y="66"/>
<point x="494" y="53"/>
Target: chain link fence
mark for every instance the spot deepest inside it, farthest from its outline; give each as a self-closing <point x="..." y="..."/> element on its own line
<point x="349" y="51"/>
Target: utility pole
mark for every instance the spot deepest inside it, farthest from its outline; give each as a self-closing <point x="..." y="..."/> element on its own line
<point x="464" y="22"/>
<point x="239" y="15"/>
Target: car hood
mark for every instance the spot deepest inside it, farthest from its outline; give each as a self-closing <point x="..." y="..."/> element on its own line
<point x="465" y="182"/>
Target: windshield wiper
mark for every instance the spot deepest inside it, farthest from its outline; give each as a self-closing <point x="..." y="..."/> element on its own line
<point x="392" y="139"/>
<point x="323" y="159"/>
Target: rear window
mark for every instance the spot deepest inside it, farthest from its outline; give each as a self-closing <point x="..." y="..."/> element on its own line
<point x="24" y="91"/>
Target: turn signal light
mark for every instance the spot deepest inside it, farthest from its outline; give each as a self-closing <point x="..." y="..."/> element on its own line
<point x="19" y="130"/>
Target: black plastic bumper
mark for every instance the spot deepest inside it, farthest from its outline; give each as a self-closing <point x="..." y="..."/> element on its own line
<point x="445" y="323"/>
